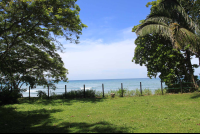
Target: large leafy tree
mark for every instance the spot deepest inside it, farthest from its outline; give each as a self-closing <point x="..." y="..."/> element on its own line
<point x="169" y="20"/>
<point x="29" y="32"/>
<point x="32" y="66"/>
<point x="37" y="22"/>
<point x="158" y="55"/>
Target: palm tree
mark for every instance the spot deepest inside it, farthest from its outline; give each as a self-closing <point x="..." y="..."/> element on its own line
<point x="169" y="19"/>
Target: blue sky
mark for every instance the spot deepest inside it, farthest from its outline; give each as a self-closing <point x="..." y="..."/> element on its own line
<point x="107" y="46"/>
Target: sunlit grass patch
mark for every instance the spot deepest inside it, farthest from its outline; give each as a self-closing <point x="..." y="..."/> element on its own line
<point x="151" y="113"/>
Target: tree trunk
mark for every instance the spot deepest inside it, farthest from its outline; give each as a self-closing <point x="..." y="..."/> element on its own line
<point x="191" y="71"/>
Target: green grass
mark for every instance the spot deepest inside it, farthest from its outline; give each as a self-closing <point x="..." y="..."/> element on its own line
<point x="177" y="113"/>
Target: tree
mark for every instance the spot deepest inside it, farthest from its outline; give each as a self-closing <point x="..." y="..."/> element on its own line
<point x="169" y="20"/>
<point x="158" y="55"/>
<point x="28" y="40"/>
<point x="31" y="65"/>
<point x="191" y="7"/>
<point x="21" y="21"/>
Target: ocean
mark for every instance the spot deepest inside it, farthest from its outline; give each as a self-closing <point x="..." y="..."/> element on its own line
<point x="109" y="84"/>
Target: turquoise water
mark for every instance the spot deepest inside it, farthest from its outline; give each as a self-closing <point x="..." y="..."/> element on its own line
<point x="109" y="84"/>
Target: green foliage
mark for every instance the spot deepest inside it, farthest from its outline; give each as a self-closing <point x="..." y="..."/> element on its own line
<point x="186" y="87"/>
<point x="192" y="9"/>
<point x="159" y="91"/>
<point x="162" y="46"/>
<point x="42" y="94"/>
<point x="8" y="97"/>
<point x="90" y="93"/>
<point x="155" y="53"/>
<point x="137" y="92"/>
<point x="120" y="92"/>
<point x="98" y="94"/>
<point x="130" y="93"/>
<point x="80" y="94"/>
<point x="71" y="94"/>
<point x="29" y="45"/>
<point x="116" y="92"/>
<point x="147" y="92"/>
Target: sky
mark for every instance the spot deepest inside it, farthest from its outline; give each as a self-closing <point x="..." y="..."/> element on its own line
<point x="107" y="46"/>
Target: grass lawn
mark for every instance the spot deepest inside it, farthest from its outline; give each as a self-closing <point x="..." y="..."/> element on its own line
<point x="151" y="114"/>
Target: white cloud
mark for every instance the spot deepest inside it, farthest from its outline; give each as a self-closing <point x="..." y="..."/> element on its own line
<point x="127" y="33"/>
<point x="94" y="59"/>
<point x="196" y="61"/>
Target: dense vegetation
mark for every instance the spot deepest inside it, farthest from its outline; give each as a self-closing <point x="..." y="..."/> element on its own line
<point x="167" y="39"/>
<point x="29" y="41"/>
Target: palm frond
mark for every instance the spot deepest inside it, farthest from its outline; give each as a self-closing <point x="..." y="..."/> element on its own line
<point x="150" y="25"/>
<point x="156" y="28"/>
<point x="160" y="18"/>
<point x="172" y="22"/>
<point x="187" y="37"/>
<point x="173" y="9"/>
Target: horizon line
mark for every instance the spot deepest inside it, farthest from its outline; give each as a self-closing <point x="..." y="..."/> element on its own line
<point x="114" y="79"/>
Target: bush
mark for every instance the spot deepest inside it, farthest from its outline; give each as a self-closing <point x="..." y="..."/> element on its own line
<point x="159" y="91"/>
<point x="8" y="97"/>
<point x="80" y="94"/>
<point x="120" y="92"/>
<point x="198" y="89"/>
<point x="137" y="92"/>
<point x="147" y="92"/>
<point x="41" y="94"/>
<point x="116" y="92"/>
<point x="99" y="94"/>
<point x="130" y="93"/>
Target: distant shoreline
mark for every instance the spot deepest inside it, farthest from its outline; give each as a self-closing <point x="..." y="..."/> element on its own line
<point x="113" y="79"/>
<point x="118" y="79"/>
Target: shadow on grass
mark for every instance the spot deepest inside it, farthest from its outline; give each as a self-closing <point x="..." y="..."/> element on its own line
<point x="40" y="121"/>
<point x="195" y="96"/>
<point x="55" y="101"/>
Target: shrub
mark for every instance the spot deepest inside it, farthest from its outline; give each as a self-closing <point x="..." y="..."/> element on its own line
<point x="70" y="94"/>
<point x="80" y="94"/>
<point x="120" y="92"/>
<point x="90" y="93"/>
<point x="41" y="94"/>
<point x="130" y="93"/>
<point x="116" y="92"/>
<point x="99" y="94"/>
<point x="147" y="92"/>
<point x="159" y="91"/>
<point x="8" y="97"/>
<point x="137" y="92"/>
<point x="56" y="96"/>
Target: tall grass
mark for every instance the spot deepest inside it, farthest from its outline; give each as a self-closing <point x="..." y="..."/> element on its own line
<point x="159" y="91"/>
<point x="147" y="92"/>
<point x="93" y="93"/>
<point x="130" y="93"/>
